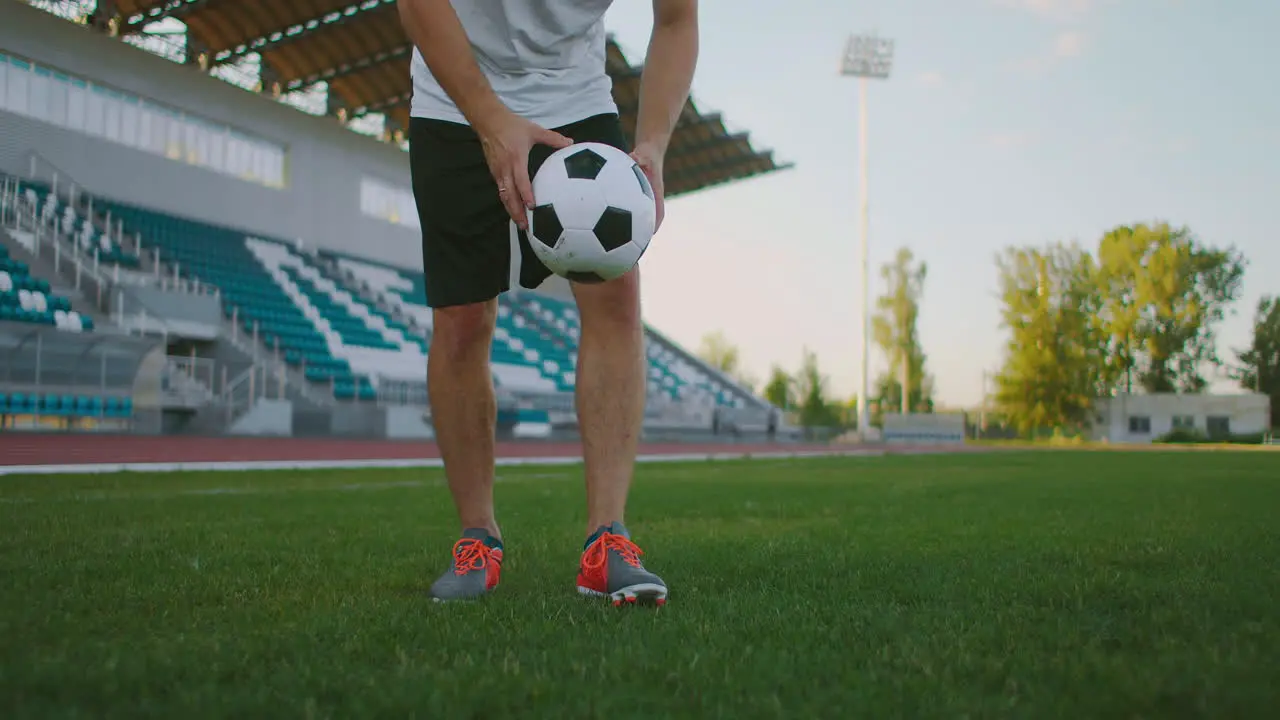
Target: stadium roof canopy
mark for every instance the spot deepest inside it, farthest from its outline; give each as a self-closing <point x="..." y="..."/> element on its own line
<point x="358" y="49"/>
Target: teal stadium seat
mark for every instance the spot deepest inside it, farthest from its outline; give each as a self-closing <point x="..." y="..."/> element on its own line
<point x="24" y="298"/>
<point x="525" y="356"/>
<point x="319" y="326"/>
<point x="79" y="227"/>
<point x="669" y="374"/>
<point x="18" y="404"/>
<point x="536" y="339"/>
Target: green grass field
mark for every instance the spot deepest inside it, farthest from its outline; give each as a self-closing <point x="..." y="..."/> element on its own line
<point x="1025" y="584"/>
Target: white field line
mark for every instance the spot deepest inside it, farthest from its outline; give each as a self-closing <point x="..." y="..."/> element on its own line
<point x="258" y="465"/>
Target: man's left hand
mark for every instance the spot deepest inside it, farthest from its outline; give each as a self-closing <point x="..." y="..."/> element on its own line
<point x="649" y="158"/>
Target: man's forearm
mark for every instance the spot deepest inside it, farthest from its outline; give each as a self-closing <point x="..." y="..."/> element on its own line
<point x="434" y="28"/>
<point x="667" y="75"/>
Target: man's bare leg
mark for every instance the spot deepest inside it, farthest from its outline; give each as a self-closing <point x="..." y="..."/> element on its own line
<point x="463" y="408"/>
<point x="463" y="412"/>
<point x="610" y="392"/>
<point x="610" y="398"/>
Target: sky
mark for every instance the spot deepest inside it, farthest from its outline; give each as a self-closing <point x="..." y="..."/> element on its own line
<point x="1004" y="122"/>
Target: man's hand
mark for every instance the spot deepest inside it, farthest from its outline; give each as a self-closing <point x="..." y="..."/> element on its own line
<point x="507" y="139"/>
<point x="649" y="158"/>
<point x="434" y="27"/>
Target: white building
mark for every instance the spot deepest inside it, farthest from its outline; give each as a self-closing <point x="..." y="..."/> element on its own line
<point x="1143" y="418"/>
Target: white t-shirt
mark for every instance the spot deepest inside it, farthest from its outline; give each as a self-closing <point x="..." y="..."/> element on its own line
<point x="544" y="58"/>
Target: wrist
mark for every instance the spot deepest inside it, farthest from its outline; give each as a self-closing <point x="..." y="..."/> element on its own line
<point x="485" y="113"/>
<point x="653" y="145"/>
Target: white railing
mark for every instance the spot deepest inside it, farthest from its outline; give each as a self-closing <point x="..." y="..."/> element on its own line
<point x="270" y="359"/>
<point x="394" y="392"/>
<point x="45" y="241"/>
<point x="189" y="380"/>
<point x="241" y="391"/>
<point x="111" y="283"/>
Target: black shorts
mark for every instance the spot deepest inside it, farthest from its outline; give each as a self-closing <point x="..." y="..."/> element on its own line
<point x="466" y="232"/>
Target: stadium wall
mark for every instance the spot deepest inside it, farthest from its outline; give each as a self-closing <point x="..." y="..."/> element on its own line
<point x="320" y="201"/>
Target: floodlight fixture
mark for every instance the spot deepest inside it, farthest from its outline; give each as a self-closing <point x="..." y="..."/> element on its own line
<point x="868" y="56"/>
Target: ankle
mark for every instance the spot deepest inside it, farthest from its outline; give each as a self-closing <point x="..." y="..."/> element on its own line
<point x="489" y="527"/>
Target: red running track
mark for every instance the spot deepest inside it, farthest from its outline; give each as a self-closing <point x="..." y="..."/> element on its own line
<point x="86" y="449"/>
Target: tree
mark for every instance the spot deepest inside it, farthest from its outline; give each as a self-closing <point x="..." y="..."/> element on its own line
<point x="894" y="330"/>
<point x="1259" y="366"/>
<point x="888" y="391"/>
<point x="1163" y="294"/>
<point x="811" y="388"/>
<point x="1055" y="353"/>
<point x="780" y="390"/>
<point x="719" y="353"/>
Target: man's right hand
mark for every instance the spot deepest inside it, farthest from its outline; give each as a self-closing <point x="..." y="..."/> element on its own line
<point x="507" y="139"/>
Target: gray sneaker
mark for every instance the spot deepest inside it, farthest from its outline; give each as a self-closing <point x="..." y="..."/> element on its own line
<point x="611" y="568"/>
<point x="476" y="566"/>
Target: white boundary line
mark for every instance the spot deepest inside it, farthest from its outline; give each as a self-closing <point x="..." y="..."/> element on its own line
<point x="362" y="464"/>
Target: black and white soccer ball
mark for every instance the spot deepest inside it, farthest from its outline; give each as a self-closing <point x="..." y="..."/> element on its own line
<point x="594" y="213"/>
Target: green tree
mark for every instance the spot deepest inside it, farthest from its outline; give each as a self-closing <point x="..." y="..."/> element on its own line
<point x="1055" y="353"/>
<point x="1163" y="294"/>
<point x="894" y="330"/>
<point x="780" y="389"/>
<point x="816" y="410"/>
<point x="888" y="394"/>
<point x="717" y="351"/>
<point x="1259" y="366"/>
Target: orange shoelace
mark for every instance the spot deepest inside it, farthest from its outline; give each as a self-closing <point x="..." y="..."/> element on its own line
<point x="598" y="554"/>
<point x="470" y="554"/>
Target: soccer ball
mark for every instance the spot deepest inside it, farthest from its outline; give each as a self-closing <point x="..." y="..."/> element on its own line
<point x="594" y="213"/>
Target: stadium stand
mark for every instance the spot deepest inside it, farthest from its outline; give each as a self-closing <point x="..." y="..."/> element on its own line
<point x="342" y="331"/>
<point x="539" y="333"/>
<point x="285" y="299"/>
<point x="80" y="226"/>
<point x="24" y="298"/>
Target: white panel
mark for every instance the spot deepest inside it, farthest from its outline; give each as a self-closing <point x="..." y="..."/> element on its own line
<point x="157" y="130"/>
<point x="38" y="94"/>
<point x="203" y="139"/>
<point x="259" y="167"/>
<point x="58" y="100"/>
<point x="217" y="147"/>
<point x="276" y="178"/>
<point x="16" y="100"/>
<point x="173" y="146"/>
<point x="190" y="143"/>
<point x="93" y="112"/>
<point x="76" y="106"/>
<point x="129" y="125"/>
<point x="110" y="117"/>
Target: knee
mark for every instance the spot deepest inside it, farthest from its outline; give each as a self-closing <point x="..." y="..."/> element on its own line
<point x="462" y="333"/>
<point x="614" y="305"/>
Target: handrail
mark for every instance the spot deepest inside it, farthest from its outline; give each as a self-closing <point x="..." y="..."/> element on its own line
<point x="82" y="201"/>
<point x="272" y="365"/>
<point x="35" y="159"/>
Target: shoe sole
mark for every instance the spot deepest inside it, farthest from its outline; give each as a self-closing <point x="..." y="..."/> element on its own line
<point x="632" y="594"/>
<point x="466" y="598"/>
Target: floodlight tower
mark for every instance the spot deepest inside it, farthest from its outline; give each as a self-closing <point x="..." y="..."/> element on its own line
<point x="866" y="57"/>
